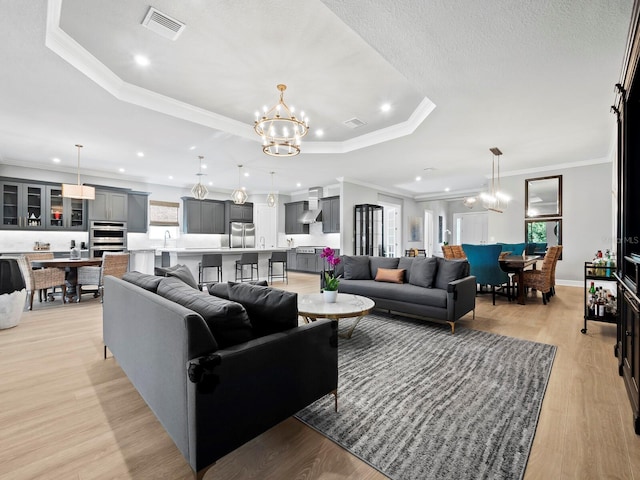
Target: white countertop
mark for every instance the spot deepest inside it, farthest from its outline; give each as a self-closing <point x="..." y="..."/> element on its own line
<point x="225" y="251"/>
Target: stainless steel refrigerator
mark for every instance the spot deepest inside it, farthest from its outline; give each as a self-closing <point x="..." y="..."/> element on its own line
<point x="243" y="235"/>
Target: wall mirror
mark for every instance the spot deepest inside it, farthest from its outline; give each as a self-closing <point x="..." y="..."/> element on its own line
<point x="543" y="231"/>
<point x="543" y="197"/>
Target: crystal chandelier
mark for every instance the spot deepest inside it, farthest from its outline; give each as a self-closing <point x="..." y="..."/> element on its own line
<point x="495" y="200"/>
<point x="239" y="196"/>
<point x="199" y="191"/>
<point x="83" y="192"/>
<point x="271" y="198"/>
<point x="279" y="128"/>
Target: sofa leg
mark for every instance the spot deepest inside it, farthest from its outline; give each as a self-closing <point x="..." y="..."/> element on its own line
<point x="199" y="475"/>
<point x="453" y="324"/>
<point x="335" y="398"/>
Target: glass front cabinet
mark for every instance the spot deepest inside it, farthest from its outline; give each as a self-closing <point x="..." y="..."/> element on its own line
<point x="64" y="213"/>
<point x="22" y="205"/>
<point x="30" y="206"/>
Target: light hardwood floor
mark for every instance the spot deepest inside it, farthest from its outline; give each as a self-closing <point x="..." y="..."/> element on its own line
<point x="65" y="413"/>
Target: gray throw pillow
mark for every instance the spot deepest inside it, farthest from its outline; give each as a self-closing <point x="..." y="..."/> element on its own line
<point x="450" y="270"/>
<point x="222" y="289"/>
<point x="356" y="267"/>
<point x="183" y="273"/>
<point x="405" y="264"/>
<point x="375" y="263"/>
<point x="228" y="321"/>
<point x="270" y="310"/>
<point x="148" y="282"/>
<point x="423" y="271"/>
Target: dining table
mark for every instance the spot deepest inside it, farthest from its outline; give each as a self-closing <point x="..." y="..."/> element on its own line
<point x="517" y="264"/>
<point x="71" y="269"/>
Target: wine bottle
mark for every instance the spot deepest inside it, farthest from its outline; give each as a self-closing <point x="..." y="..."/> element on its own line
<point x="592" y="290"/>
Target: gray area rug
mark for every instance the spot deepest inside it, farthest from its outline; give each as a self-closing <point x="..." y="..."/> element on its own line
<point x="416" y="402"/>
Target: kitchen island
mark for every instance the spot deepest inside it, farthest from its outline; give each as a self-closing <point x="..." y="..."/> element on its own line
<point x="191" y="256"/>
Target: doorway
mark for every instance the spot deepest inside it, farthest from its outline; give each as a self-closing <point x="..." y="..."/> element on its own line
<point x="471" y="228"/>
<point x="393" y="229"/>
<point x="428" y="232"/>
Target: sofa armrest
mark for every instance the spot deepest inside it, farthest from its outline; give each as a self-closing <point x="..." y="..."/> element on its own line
<point x="461" y="297"/>
<point x="244" y="390"/>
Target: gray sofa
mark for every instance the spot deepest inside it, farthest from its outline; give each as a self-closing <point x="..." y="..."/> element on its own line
<point x="431" y="288"/>
<point x="197" y="361"/>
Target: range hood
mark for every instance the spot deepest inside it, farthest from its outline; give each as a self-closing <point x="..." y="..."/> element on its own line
<point x="314" y="214"/>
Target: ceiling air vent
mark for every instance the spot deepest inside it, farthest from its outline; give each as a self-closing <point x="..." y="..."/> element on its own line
<point x="354" y="123"/>
<point x="163" y="24"/>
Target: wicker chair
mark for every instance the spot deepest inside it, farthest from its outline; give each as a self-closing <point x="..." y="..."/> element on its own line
<point x="553" y="272"/>
<point x="42" y="279"/>
<point x="115" y="264"/>
<point x="542" y="280"/>
<point x="453" y="252"/>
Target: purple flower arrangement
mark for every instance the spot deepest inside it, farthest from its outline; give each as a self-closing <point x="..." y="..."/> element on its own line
<point x="330" y="280"/>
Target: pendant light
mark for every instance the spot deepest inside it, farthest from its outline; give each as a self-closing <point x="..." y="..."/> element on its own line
<point x="271" y="198"/>
<point x="239" y="196"/>
<point x="199" y="191"/>
<point x="82" y="192"/>
<point x="495" y="199"/>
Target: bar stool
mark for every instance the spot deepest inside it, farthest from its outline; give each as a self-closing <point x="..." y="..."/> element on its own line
<point x="278" y="257"/>
<point x="250" y="259"/>
<point x="209" y="260"/>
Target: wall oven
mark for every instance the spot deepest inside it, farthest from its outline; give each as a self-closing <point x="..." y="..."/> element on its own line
<point x="105" y="236"/>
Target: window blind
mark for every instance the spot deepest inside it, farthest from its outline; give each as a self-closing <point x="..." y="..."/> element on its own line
<point x="163" y="214"/>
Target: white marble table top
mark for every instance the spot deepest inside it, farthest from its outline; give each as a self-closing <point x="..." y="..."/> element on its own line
<point x="346" y="306"/>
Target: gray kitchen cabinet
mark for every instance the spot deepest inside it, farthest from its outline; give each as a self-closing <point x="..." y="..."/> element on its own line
<point x="239" y="213"/>
<point x="307" y="262"/>
<point x="64" y="213"/>
<point x="22" y="205"/>
<point x="203" y="216"/>
<point x="109" y="205"/>
<point x="292" y="262"/>
<point x="137" y="212"/>
<point x="292" y="213"/>
<point x="330" y="214"/>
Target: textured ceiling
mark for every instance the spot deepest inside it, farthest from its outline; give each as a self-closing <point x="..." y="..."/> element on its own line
<point x="533" y="78"/>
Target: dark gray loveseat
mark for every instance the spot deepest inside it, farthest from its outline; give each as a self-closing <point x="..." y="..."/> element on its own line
<point x="432" y="288"/>
<point x="213" y="375"/>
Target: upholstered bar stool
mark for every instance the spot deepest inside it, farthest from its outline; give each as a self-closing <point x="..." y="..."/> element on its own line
<point x="247" y="259"/>
<point x="209" y="260"/>
<point x="278" y="257"/>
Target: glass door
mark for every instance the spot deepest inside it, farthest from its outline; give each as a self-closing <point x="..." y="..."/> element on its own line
<point x="10" y="196"/>
<point x="55" y="209"/>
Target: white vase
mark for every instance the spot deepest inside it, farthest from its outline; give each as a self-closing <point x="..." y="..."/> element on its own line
<point x="330" y="296"/>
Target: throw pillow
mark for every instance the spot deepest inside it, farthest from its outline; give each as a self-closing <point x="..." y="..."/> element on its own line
<point x="270" y="310"/>
<point x="228" y="321"/>
<point x="375" y="263"/>
<point x="183" y="273"/>
<point x="423" y="271"/>
<point x="148" y="282"/>
<point x="389" y="275"/>
<point x="450" y="270"/>
<point x="222" y="289"/>
<point x="405" y="264"/>
<point x="356" y="267"/>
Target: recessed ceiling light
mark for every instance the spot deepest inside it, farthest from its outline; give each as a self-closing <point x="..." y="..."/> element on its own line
<point x="447" y="189"/>
<point x="142" y="60"/>
<point x="141" y="154"/>
<point x="204" y="166"/>
<point x="244" y="188"/>
<point x="210" y="183"/>
<point x="121" y="170"/>
<point x="298" y="184"/>
<point x="246" y="174"/>
<point x="170" y="177"/>
<point x="385" y="107"/>
<point x="56" y="160"/>
<point x="418" y="178"/>
<point x="319" y="133"/>
<point x="192" y="147"/>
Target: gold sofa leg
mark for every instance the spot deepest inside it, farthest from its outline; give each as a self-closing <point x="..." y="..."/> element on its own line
<point x="453" y="326"/>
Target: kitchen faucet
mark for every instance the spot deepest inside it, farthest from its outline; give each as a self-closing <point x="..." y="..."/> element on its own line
<point x="167" y="234"/>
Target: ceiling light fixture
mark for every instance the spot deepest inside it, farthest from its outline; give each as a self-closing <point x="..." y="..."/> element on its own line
<point x="80" y="191"/>
<point x="470" y="202"/>
<point x="271" y="198"/>
<point x="279" y="128"/>
<point x="239" y="196"/>
<point x="495" y="200"/>
<point x="199" y="191"/>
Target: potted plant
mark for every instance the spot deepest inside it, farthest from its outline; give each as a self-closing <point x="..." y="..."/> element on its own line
<point x="331" y="281"/>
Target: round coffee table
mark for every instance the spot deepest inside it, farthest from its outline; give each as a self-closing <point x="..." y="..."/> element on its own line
<point x="312" y="306"/>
